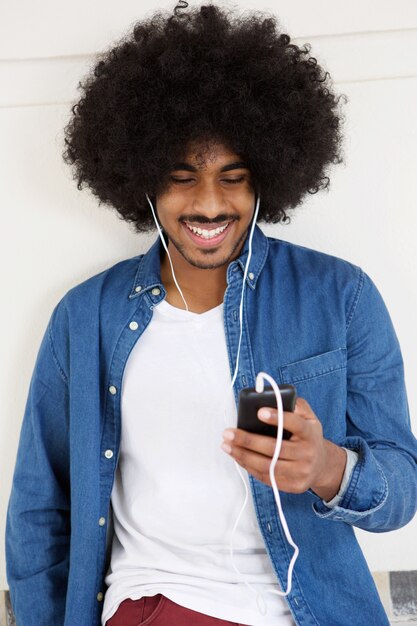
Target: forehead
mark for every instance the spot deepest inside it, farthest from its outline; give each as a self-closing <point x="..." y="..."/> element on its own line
<point x="209" y="155"/>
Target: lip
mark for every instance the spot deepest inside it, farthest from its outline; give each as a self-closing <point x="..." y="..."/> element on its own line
<point x="208" y="243"/>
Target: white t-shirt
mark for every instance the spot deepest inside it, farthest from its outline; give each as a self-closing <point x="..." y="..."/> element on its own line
<point x="177" y="494"/>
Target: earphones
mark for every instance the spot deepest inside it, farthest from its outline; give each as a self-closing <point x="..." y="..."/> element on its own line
<point x="259" y="386"/>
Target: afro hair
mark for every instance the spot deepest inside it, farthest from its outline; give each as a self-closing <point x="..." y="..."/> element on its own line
<point x="191" y="78"/>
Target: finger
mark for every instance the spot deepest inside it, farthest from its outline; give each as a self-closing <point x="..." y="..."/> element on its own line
<point x="301" y="408"/>
<point x="251" y="441"/>
<point x="286" y="474"/>
<point x="255" y="463"/>
<point x="290" y="450"/>
<point x="260" y="443"/>
<point x="293" y="422"/>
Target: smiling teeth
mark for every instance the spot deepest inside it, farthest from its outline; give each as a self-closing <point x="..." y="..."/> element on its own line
<point x="207" y="234"/>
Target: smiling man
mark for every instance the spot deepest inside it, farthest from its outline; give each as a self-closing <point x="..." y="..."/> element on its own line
<point x="125" y="493"/>
<point x="206" y="213"/>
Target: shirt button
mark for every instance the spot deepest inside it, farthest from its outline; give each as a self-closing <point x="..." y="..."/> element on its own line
<point x="251" y="275"/>
<point x="138" y="288"/>
<point x="102" y="521"/>
<point x="156" y="291"/>
<point x="108" y="454"/>
<point x="112" y="390"/>
<point x="133" y="325"/>
<point x="99" y="596"/>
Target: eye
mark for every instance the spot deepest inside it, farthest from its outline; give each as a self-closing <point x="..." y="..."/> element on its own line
<point x="181" y="180"/>
<point x="234" y="181"/>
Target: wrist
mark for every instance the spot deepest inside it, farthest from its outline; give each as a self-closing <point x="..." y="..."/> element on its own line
<point x="328" y="483"/>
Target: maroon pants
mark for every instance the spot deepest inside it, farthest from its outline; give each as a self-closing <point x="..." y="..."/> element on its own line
<point x="161" y="611"/>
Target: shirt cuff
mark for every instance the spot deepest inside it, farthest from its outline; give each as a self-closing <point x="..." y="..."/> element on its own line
<point x="352" y="459"/>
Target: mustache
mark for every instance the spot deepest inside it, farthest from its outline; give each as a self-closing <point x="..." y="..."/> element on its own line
<point x="200" y="219"/>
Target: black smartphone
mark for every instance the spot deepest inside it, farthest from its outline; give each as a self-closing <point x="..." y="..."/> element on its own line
<point x="250" y="401"/>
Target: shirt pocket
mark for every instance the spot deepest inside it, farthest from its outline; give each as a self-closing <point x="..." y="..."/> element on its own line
<point x="321" y="380"/>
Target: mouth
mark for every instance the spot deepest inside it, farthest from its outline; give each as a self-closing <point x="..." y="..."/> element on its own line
<point x="208" y="238"/>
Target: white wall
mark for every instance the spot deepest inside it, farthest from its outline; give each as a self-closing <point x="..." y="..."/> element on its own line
<point x="55" y="236"/>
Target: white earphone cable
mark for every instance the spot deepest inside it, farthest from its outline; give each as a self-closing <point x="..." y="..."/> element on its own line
<point x="169" y="256"/>
<point x="261" y="376"/>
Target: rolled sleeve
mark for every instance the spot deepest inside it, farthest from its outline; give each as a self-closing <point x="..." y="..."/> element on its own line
<point x="352" y="459"/>
<point x="366" y="491"/>
<point x="382" y="490"/>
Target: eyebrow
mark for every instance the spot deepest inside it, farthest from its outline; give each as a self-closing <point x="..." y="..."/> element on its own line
<point x="225" y="168"/>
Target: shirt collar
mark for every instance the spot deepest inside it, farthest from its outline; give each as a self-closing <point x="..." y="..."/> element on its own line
<point x="148" y="277"/>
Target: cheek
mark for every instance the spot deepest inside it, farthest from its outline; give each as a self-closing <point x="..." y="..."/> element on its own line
<point x="243" y="200"/>
<point x="169" y="207"/>
<point x="249" y="209"/>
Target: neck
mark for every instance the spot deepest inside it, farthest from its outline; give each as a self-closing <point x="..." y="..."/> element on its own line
<point x="203" y="289"/>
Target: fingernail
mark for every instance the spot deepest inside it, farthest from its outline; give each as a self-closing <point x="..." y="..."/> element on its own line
<point x="264" y="413"/>
<point x="229" y="434"/>
<point x="226" y="447"/>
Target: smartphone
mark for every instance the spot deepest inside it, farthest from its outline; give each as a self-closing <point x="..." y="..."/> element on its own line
<point x="250" y="401"/>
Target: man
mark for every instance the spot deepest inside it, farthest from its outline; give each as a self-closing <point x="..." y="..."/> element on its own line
<point x="125" y="490"/>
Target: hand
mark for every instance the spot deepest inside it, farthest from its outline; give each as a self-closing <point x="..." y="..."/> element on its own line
<point x="307" y="460"/>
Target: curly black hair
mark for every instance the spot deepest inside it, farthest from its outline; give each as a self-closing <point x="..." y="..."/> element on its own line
<point x="194" y="78"/>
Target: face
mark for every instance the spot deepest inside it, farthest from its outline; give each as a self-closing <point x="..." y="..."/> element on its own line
<point x="206" y="211"/>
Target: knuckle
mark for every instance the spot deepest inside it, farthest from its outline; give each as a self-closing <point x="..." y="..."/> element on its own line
<point x="300" y="486"/>
<point x="271" y="448"/>
<point x="246" y="440"/>
<point x="303" y="474"/>
<point x="302" y="405"/>
<point x="241" y="456"/>
<point x="309" y="456"/>
<point x="264" y="477"/>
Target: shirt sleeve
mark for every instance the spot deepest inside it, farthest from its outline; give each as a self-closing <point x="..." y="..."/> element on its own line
<point x="381" y="494"/>
<point x="38" y="514"/>
<point x="352" y="459"/>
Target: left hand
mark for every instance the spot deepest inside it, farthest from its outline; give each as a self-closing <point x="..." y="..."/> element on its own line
<point x="306" y="461"/>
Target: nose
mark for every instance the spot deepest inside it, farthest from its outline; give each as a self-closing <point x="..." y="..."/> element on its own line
<point x="209" y="200"/>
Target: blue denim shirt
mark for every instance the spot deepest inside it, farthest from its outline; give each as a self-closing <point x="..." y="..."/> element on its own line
<point x="310" y="319"/>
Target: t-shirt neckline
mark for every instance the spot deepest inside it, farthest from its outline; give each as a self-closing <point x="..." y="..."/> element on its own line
<point x="170" y="310"/>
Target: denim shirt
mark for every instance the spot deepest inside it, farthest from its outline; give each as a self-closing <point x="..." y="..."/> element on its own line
<point x="309" y="319"/>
